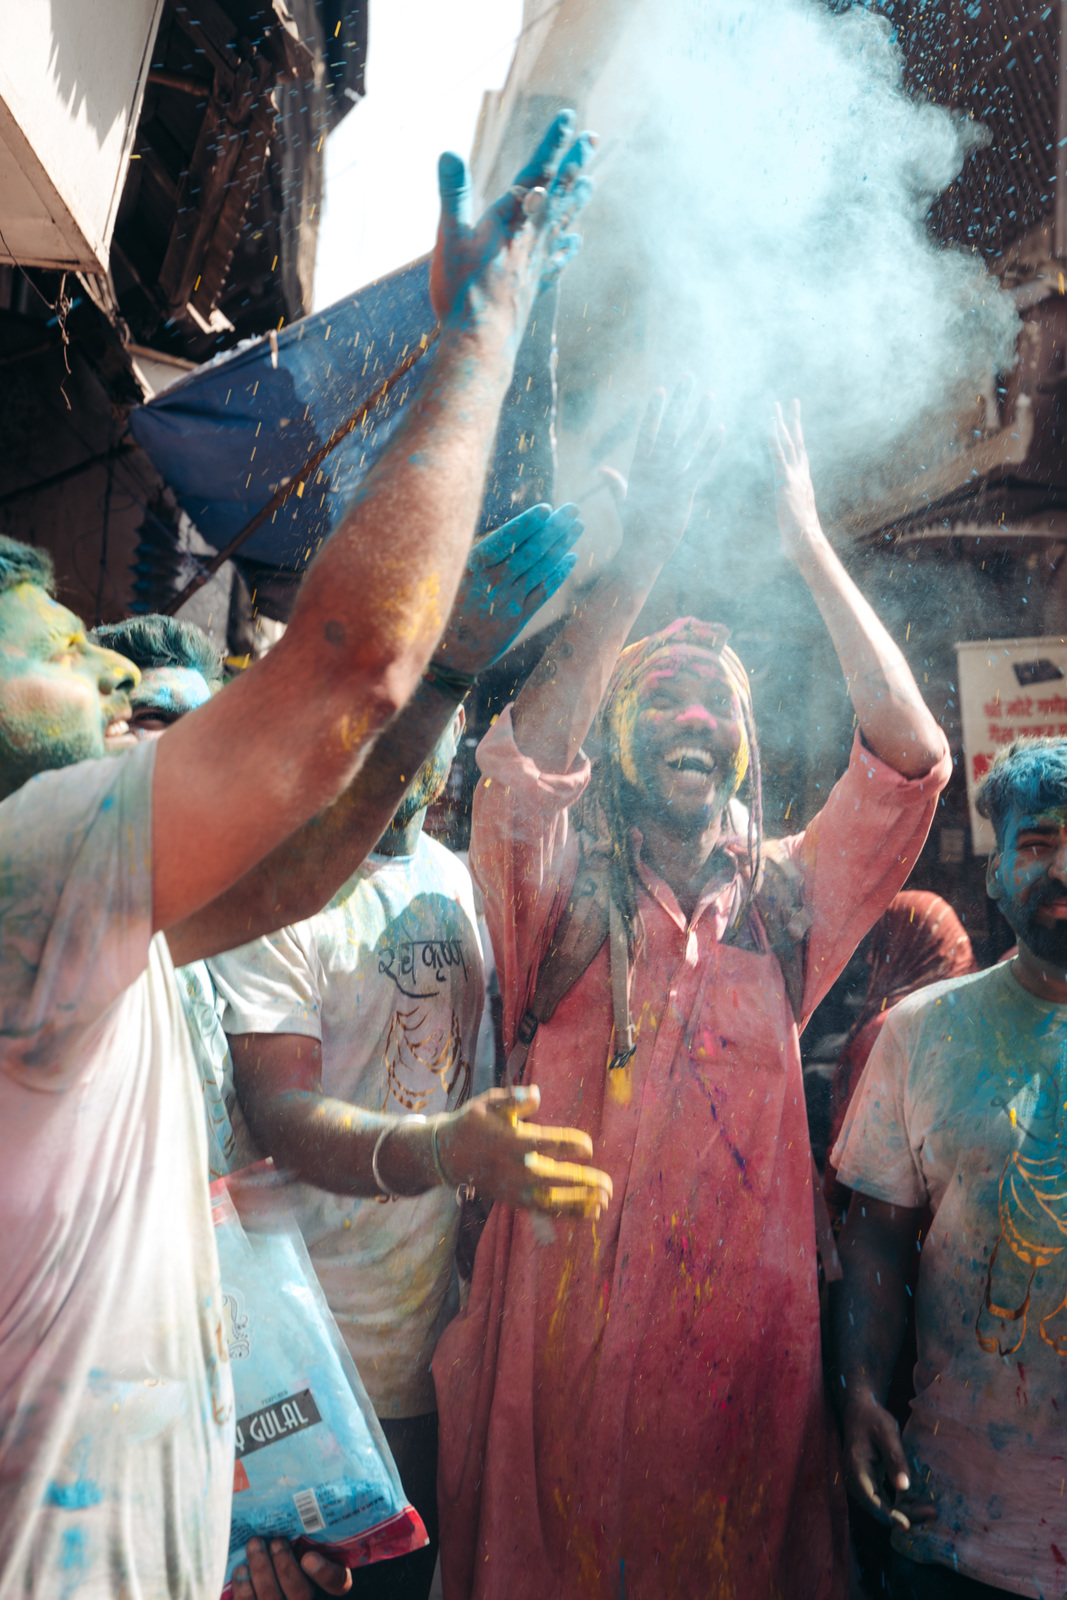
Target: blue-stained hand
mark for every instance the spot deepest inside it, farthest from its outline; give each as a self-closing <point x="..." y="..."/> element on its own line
<point x="495" y="267"/>
<point x="510" y="574"/>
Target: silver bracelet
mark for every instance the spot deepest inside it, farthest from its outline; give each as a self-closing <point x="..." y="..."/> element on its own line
<point x="390" y="1127"/>
<point x="437" y="1166"/>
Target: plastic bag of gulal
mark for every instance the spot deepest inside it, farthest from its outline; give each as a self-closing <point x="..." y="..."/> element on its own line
<point x="312" y="1464"/>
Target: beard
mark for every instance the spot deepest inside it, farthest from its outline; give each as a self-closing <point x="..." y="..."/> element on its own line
<point x="1048" y="942"/>
<point x="25" y="750"/>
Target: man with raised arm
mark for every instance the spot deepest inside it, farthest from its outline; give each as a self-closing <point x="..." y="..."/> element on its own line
<point x="376" y="1000"/>
<point x="638" y="1409"/>
<point x="115" y="1401"/>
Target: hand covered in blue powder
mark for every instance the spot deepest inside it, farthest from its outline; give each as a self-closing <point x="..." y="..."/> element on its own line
<point x="498" y="264"/>
<point x="510" y="574"/>
<point x="275" y="1575"/>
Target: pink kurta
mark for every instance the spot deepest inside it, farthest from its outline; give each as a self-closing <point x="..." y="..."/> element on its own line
<point x="636" y="1408"/>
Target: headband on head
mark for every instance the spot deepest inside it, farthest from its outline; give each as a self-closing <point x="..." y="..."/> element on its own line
<point x="687" y="637"/>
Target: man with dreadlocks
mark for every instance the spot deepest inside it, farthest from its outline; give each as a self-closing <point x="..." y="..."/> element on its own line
<point x="637" y="1409"/>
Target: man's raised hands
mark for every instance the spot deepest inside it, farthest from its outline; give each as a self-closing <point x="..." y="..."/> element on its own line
<point x="494" y="268"/>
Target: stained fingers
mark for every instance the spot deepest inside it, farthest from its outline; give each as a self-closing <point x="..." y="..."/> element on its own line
<point x="565" y="1186"/>
<point x="568" y="1141"/>
<point x="544" y="164"/>
<point x="453" y="184"/>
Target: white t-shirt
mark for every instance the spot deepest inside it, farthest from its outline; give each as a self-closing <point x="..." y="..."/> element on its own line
<point x="389" y="978"/>
<point x="962" y="1107"/>
<point x="229" y="1143"/>
<point x="116" y="1412"/>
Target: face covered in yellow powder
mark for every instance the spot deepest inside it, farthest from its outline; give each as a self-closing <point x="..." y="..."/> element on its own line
<point x="679" y="733"/>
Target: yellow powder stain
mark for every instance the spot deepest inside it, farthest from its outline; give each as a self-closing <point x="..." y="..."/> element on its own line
<point x="621" y="1079"/>
<point x="556" y="1322"/>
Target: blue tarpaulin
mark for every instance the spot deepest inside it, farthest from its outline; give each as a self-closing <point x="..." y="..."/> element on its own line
<point x="229" y="435"/>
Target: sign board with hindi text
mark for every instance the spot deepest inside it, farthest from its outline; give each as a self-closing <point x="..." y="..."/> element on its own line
<point x="1009" y="689"/>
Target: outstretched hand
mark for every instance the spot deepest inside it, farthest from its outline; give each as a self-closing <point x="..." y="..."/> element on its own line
<point x="798" y="518"/>
<point x="490" y="1144"/>
<point x="496" y="266"/>
<point x="509" y="576"/>
<point x="676" y="446"/>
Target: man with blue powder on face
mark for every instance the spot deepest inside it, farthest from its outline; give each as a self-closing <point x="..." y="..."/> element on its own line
<point x="116" y="1413"/>
<point x="961" y="1111"/>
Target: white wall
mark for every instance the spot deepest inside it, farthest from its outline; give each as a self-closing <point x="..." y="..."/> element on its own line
<point x="72" y="75"/>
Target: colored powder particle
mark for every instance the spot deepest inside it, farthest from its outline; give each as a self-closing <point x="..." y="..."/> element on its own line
<point x="74" y="1496"/>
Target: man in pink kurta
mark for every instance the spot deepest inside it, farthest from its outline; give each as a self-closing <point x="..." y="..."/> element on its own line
<point x="635" y="1409"/>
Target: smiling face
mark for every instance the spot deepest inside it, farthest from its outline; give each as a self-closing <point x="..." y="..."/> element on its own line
<point x="1027" y="876"/>
<point x="59" y="694"/>
<point x="682" y="744"/>
<point x="163" y="695"/>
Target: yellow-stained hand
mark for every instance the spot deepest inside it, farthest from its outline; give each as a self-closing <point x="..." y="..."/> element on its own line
<point x="491" y="1144"/>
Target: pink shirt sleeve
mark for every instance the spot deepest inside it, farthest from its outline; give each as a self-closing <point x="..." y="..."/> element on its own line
<point x="856" y="854"/>
<point x="874" y="1152"/>
<point x="523" y="857"/>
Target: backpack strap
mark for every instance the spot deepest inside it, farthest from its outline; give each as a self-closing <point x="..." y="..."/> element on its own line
<point x="619" y="952"/>
<point x="579" y="934"/>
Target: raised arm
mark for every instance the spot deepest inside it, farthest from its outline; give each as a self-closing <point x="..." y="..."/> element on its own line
<point x="674" y="450"/>
<point x="237" y="777"/>
<point x="510" y="574"/>
<point x="895" y="722"/>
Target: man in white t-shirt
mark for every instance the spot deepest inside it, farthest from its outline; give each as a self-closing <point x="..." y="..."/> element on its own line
<point x="115" y="1401"/>
<point x="961" y="1111"/>
<point x="411" y="886"/>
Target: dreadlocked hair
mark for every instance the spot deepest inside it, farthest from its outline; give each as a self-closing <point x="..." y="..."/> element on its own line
<point x="601" y="818"/>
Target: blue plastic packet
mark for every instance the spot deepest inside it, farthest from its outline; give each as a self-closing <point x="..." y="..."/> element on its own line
<point x="312" y="1464"/>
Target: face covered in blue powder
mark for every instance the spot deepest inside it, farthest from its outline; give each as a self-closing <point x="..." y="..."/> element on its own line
<point x="1027" y="876"/>
<point x="163" y="695"/>
<point x="432" y="775"/>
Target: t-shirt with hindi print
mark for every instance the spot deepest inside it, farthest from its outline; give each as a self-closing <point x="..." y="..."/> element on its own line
<point x="389" y="977"/>
<point x="962" y="1107"/>
<point x="116" y="1410"/>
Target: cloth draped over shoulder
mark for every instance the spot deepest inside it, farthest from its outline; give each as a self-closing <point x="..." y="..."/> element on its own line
<point x="636" y="1407"/>
<point x="918" y="941"/>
